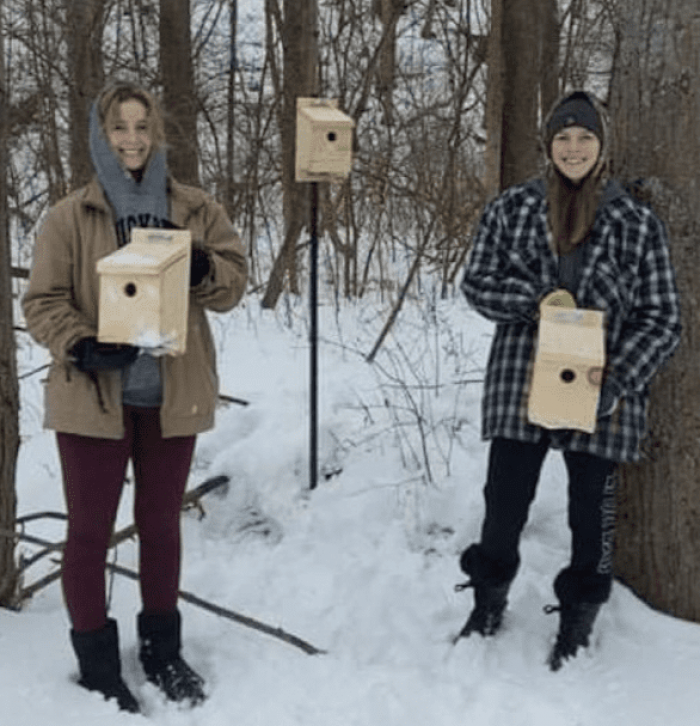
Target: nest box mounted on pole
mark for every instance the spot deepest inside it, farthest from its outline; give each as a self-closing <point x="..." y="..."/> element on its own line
<point x="323" y="154"/>
<point x="323" y="141"/>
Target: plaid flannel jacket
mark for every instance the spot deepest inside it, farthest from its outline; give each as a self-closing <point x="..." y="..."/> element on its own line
<point x="627" y="273"/>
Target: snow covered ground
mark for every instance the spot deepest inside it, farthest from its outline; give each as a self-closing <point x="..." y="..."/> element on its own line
<point x="363" y="568"/>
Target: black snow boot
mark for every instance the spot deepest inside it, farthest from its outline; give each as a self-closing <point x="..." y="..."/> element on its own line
<point x="159" y="652"/>
<point x="491" y="583"/>
<point x="100" y="664"/>
<point x="580" y="597"/>
<point x="575" y="626"/>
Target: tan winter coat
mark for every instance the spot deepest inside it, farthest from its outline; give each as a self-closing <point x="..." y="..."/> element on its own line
<point x="61" y="303"/>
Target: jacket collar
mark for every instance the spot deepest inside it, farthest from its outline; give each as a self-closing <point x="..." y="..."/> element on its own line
<point x="613" y="190"/>
<point x="186" y="201"/>
<point x="93" y="196"/>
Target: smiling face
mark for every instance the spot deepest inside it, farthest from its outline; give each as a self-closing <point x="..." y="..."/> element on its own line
<point x="575" y="151"/>
<point x="128" y="132"/>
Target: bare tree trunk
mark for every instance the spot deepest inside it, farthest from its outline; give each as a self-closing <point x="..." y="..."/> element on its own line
<point x="300" y="41"/>
<point x="44" y="45"/>
<point x="230" y="111"/>
<point x="523" y="52"/>
<point x="494" y="101"/>
<point x="549" y="55"/>
<point x="656" y="137"/>
<point x="9" y="386"/>
<point x="522" y="42"/>
<point x="389" y="12"/>
<point x="178" y="89"/>
<point x="85" y="19"/>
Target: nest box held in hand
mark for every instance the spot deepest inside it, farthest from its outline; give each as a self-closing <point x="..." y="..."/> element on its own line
<point x="323" y="140"/>
<point x="144" y="291"/>
<point x="570" y="343"/>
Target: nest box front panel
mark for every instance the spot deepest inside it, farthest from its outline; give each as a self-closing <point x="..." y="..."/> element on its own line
<point x="144" y="291"/>
<point x="570" y="344"/>
<point x="323" y="141"/>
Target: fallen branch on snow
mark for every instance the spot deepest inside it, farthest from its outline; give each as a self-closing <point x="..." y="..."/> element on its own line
<point x="191" y="499"/>
<point x="231" y="615"/>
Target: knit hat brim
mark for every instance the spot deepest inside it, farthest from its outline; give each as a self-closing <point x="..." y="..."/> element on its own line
<point x="575" y="110"/>
<point x="590" y="112"/>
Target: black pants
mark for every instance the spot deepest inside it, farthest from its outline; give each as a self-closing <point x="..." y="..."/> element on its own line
<point x="513" y="473"/>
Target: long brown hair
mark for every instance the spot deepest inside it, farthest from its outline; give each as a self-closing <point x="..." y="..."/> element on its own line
<point x="572" y="207"/>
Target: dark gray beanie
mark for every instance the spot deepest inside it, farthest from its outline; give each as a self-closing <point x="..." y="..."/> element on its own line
<point x="575" y="110"/>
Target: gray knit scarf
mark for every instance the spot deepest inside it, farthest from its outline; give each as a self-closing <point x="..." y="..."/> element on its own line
<point x="135" y="203"/>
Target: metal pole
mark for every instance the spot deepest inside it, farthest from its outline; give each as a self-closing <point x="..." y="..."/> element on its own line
<point x="313" y="332"/>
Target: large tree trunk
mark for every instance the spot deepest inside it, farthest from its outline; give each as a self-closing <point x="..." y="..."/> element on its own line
<point x="9" y="387"/>
<point x="178" y="89"/>
<point x="493" y="120"/>
<point x="300" y="40"/>
<point x="85" y="18"/>
<point x="524" y="76"/>
<point x="656" y="137"/>
<point x="549" y="54"/>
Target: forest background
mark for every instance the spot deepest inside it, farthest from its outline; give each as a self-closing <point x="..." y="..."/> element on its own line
<point x="446" y="96"/>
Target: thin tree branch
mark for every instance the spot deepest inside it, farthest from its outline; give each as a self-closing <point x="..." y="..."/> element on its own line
<point x="191" y="499"/>
<point x="232" y="615"/>
<point x="21" y="272"/>
<point x="402" y="295"/>
<point x="232" y="399"/>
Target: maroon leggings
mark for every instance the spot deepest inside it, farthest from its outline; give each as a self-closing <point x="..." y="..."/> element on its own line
<point x="94" y="471"/>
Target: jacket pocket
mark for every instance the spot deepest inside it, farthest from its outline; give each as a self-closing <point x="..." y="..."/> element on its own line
<point x="76" y="403"/>
<point x="191" y="381"/>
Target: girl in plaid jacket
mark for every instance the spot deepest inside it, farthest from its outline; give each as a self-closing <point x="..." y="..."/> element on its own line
<point x="575" y="233"/>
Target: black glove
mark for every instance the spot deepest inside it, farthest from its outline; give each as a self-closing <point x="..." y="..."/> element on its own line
<point x="88" y="354"/>
<point x="200" y="265"/>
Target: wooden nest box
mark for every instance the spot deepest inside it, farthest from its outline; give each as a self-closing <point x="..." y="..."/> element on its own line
<point x="323" y="141"/>
<point x="570" y="343"/>
<point x="144" y="291"/>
